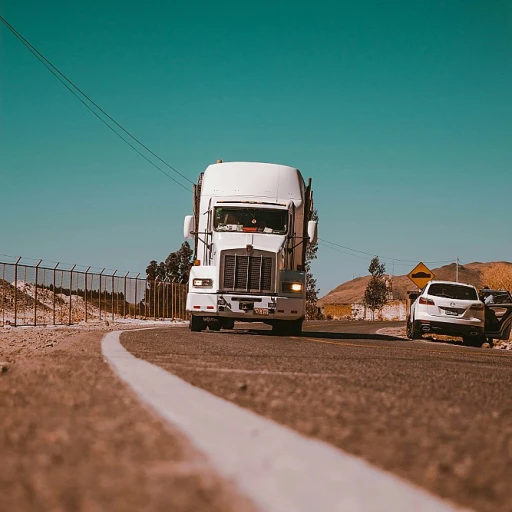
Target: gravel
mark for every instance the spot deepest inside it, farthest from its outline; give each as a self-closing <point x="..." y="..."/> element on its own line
<point x="73" y="437"/>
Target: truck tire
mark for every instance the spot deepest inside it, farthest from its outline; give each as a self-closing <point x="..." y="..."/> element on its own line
<point x="295" y="327"/>
<point x="287" y="327"/>
<point x="228" y="323"/>
<point x="196" y="323"/>
<point x="278" y="328"/>
<point x="214" y="324"/>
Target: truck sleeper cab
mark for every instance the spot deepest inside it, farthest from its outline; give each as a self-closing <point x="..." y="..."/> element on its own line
<point x="251" y="224"/>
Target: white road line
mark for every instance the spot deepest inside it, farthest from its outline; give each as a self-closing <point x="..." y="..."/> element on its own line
<point x="277" y="468"/>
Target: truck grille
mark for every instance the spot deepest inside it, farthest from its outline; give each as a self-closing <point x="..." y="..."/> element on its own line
<point x="248" y="273"/>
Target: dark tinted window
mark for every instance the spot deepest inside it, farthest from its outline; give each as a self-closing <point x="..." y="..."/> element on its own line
<point x="259" y="220"/>
<point x="452" y="291"/>
<point x="502" y="298"/>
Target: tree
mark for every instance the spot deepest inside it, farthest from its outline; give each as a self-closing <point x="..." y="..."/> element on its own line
<point x="176" y="267"/>
<point x="178" y="263"/>
<point x="498" y="276"/>
<point x="311" y="289"/>
<point x="375" y="295"/>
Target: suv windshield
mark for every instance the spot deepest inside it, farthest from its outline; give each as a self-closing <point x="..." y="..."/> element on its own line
<point x="452" y="291"/>
<point x="255" y="220"/>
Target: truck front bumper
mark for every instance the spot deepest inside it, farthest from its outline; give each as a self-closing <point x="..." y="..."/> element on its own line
<point x="255" y="308"/>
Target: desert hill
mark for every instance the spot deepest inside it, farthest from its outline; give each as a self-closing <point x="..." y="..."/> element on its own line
<point x="353" y="291"/>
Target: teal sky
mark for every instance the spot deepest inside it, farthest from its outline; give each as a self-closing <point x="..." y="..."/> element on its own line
<point x="401" y="113"/>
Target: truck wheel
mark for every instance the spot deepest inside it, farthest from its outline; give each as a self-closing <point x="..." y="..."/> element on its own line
<point x="295" y="327"/>
<point x="278" y="328"/>
<point x="287" y="327"/>
<point x="196" y="323"/>
<point x="228" y="323"/>
<point x="214" y="324"/>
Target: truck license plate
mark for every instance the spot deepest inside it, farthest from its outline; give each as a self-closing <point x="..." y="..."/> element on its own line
<point x="260" y="311"/>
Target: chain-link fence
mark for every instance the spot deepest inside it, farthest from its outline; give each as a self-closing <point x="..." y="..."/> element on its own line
<point x="43" y="294"/>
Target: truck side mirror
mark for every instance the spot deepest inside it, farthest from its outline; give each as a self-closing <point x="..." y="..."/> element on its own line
<point x="313" y="231"/>
<point x="188" y="227"/>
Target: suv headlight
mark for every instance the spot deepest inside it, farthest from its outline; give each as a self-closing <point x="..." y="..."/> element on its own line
<point x="292" y="287"/>
<point x="202" y="282"/>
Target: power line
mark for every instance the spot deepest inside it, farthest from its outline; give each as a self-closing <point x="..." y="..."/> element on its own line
<point x="63" y="79"/>
<point x="380" y="256"/>
<point x="366" y="258"/>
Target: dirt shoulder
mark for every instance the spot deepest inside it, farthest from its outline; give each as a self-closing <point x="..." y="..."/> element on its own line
<point x="74" y="438"/>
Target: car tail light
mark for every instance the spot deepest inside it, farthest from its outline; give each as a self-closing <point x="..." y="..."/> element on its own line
<point x="477" y="306"/>
<point x="428" y="302"/>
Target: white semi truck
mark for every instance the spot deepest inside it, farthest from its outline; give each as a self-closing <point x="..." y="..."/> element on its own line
<point x="251" y="226"/>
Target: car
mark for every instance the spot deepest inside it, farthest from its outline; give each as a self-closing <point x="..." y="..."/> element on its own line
<point x="498" y="296"/>
<point x="446" y="307"/>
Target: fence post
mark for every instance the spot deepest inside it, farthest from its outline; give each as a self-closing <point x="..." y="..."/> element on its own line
<point x="124" y="297"/>
<point x="173" y="299"/>
<point x="136" y="286"/>
<point x="145" y="298"/>
<point x="99" y="295"/>
<point x="85" y="292"/>
<point x="180" y="302"/>
<point x="4" y="292"/>
<point x="113" y="314"/>
<point x="54" y="290"/>
<point x="70" y="320"/>
<point x="154" y="300"/>
<point x="35" y="293"/>
<point x="16" y="292"/>
<point x="165" y="300"/>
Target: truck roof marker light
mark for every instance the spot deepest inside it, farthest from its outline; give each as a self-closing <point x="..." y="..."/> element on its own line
<point x="210" y="307"/>
<point x="280" y="310"/>
<point x="197" y="307"/>
<point x="197" y="263"/>
<point x="253" y="202"/>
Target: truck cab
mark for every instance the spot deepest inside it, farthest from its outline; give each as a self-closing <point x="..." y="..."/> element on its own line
<point x="251" y="225"/>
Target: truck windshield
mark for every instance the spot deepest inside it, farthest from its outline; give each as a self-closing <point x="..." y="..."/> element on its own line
<point x="252" y="220"/>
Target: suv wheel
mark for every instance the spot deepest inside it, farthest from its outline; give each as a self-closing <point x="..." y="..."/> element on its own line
<point x="474" y="341"/>
<point x="412" y="332"/>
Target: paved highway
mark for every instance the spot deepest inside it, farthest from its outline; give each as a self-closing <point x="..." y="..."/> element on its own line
<point x="437" y="415"/>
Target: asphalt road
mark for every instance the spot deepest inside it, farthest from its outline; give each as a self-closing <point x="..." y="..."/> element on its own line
<point x="438" y="415"/>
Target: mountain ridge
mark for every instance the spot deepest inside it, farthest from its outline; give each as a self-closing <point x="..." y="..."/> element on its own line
<point x="352" y="292"/>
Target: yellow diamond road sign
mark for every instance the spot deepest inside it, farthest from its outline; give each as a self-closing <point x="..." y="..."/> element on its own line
<point x="420" y="275"/>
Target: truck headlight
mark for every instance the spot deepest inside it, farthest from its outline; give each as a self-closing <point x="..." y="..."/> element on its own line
<point x="202" y="282"/>
<point x="292" y="287"/>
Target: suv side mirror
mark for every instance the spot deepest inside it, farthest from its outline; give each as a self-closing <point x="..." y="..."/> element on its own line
<point x="313" y="231"/>
<point x="188" y="227"/>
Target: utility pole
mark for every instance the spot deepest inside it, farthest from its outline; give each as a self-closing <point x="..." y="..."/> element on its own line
<point x="457" y="270"/>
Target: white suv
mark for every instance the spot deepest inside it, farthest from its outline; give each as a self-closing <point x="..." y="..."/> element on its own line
<point x="450" y="308"/>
